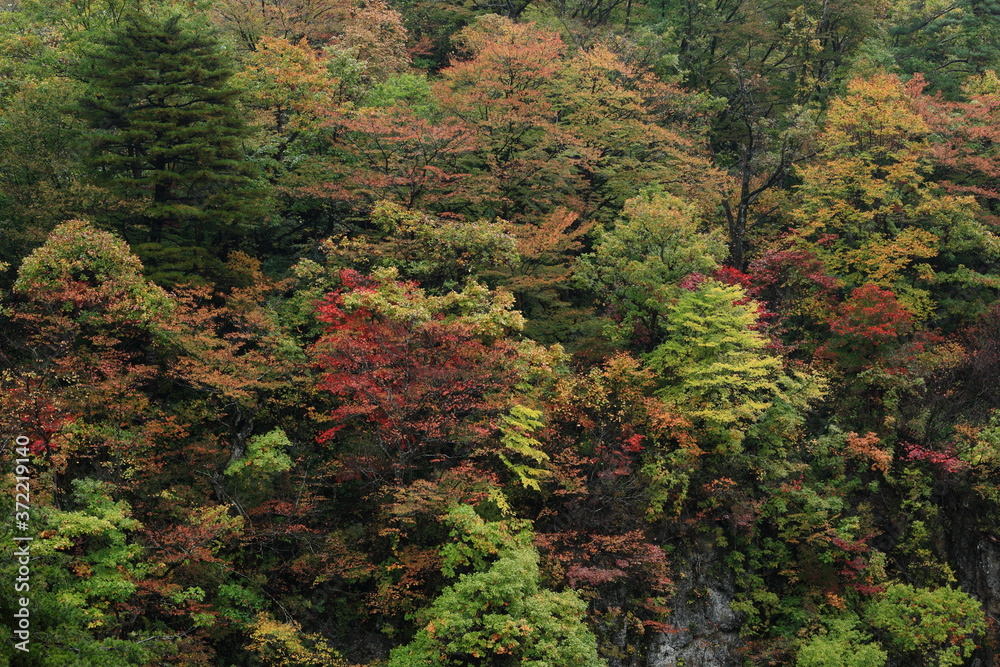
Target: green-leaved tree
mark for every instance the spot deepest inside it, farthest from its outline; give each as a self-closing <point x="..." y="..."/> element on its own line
<point x="498" y="614"/>
<point x="166" y="133"/>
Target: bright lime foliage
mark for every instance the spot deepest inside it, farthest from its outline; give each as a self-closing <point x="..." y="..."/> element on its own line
<point x="517" y="440"/>
<point x="265" y="459"/>
<point x="637" y="264"/>
<point x="265" y="456"/>
<point x="842" y="646"/>
<point x="105" y="525"/>
<point x="84" y="568"/>
<point x="498" y="613"/>
<point x="928" y="627"/>
<point x="713" y="364"/>
<point x="414" y="89"/>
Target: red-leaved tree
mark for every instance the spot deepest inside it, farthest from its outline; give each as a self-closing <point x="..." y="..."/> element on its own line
<point x="414" y="378"/>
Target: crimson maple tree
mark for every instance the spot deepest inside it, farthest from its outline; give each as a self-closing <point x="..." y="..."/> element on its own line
<point x="415" y="378"/>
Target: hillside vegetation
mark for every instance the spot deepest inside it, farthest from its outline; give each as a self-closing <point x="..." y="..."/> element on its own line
<point x="357" y="332"/>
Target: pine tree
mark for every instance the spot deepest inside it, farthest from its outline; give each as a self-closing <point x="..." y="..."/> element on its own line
<point x="167" y="133"/>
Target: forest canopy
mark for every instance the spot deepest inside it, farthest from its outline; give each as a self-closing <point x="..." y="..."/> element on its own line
<point x="546" y="332"/>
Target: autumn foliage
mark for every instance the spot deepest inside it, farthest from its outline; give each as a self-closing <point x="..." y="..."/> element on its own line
<point x="591" y="332"/>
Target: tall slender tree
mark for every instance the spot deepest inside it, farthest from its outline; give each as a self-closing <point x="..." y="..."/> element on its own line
<point x="167" y="133"/>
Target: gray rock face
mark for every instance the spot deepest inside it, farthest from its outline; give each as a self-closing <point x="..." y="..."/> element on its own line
<point x="707" y="628"/>
<point x="978" y="560"/>
<point x="988" y="557"/>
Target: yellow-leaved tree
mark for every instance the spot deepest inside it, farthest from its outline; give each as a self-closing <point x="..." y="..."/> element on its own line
<point x="870" y="211"/>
